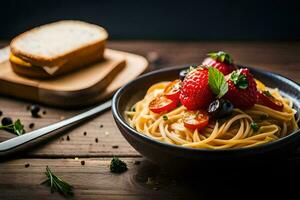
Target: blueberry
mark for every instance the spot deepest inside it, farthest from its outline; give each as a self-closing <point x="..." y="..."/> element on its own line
<point x="220" y="108"/>
<point x="35" y="109"/>
<point x="6" y="121"/>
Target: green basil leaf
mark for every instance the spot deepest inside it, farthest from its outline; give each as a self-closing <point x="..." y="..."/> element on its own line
<point x="18" y="127"/>
<point x="217" y="82"/>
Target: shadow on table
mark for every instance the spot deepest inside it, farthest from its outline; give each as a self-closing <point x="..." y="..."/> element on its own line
<point x="277" y="177"/>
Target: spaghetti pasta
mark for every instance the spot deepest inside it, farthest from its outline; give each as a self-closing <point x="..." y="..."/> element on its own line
<point x="233" y="131"/>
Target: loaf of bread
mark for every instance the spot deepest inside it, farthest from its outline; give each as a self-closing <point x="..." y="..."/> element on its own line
<point x="57" y="48"/>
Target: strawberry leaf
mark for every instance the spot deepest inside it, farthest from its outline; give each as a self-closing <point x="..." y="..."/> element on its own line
<point x="217" y="82"/>
<point x="239" y="80"/>
<point x="221" y="56"/>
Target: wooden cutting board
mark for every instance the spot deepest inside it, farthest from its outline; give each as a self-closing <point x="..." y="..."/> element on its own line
<point x="84" y="87"/>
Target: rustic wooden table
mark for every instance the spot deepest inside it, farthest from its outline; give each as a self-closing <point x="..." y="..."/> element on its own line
<point x="65" y="150"/>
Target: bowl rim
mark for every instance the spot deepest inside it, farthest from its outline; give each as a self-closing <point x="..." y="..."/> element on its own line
<point x="120" y="119"/>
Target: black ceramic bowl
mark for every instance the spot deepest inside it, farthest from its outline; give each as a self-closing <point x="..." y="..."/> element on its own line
<point x="176" y="156"/>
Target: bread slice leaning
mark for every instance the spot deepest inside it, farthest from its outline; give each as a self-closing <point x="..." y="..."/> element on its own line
<point x="57" y="48"/>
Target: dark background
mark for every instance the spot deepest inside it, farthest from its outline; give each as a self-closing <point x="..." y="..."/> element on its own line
<point x="180" y="20"/>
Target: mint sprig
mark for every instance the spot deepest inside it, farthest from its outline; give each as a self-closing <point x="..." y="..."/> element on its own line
<point x="239" y="80"/>
<point x="217" y="82"/>
<point x="221" y="56"/>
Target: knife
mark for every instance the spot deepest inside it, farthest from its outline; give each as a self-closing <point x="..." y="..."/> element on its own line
<point x="25" y="138"/>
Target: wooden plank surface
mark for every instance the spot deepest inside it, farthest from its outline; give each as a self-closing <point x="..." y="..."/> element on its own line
<point x="93" y="181"/>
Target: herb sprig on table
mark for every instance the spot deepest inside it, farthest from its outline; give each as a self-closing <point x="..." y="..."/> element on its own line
<point x="117" y="165"/>
<point x="57" y="184"/>
<point x="17" y="127"/>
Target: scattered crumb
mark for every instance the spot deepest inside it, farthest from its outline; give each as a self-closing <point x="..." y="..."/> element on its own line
<point x="76" y="158"/>
<point x="82" y="162"/>
<point x="84" y="133"/>
<point x="31" y="125"/>
<point x="68" y="138"/>
<point x="115" y="146"/>
<point x="44" y="112"/>
<point x="106" y="133"/>
<point x="62" y="117"/>
<point x="96" y="140"/>
<point x="137" y="162"/>
<point x="101" y="126"/>
<point x="27" y="165"/>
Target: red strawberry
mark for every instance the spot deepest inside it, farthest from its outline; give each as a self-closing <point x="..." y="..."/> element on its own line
<point x="242" y="91"/>
<point x="220" y="60"/>
<point x="195" y="92"/>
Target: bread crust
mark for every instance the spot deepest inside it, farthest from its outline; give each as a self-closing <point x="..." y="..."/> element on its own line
<point x="79" y="59"/>
<point x="61" y="59"/>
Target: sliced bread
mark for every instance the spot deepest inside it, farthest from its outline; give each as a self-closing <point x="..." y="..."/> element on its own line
<point x="58" y="45"/>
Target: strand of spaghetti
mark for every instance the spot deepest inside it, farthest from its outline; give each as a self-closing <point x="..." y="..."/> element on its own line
<point x="232" y="120"/>
<point x="251" y="132"/>
<point x="188" y="133"/>
<point x="175" y="138"/>
<point x="264" y="134"/>
<point x="213" y="135"/>
<point x="147" y="116"/>
<point x="162" y="131"/>
<point x="247" y="129"/>
<point x="274" y="137"/>
<point x="274" y="113"/>
<point x="283" y="130"/>
<point x="138" y="117"/>
<point x="257" y="112"/>
<point x="196" y="137"/>
<point x="242" y="142"/>
<point x="286" y="102"/>
<point x="146" y="132"/>
<point x="202" y="137"/>
<point x="160" y="85"/>
<point x="240" y="132"/>
<point x="258" y="143"/>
